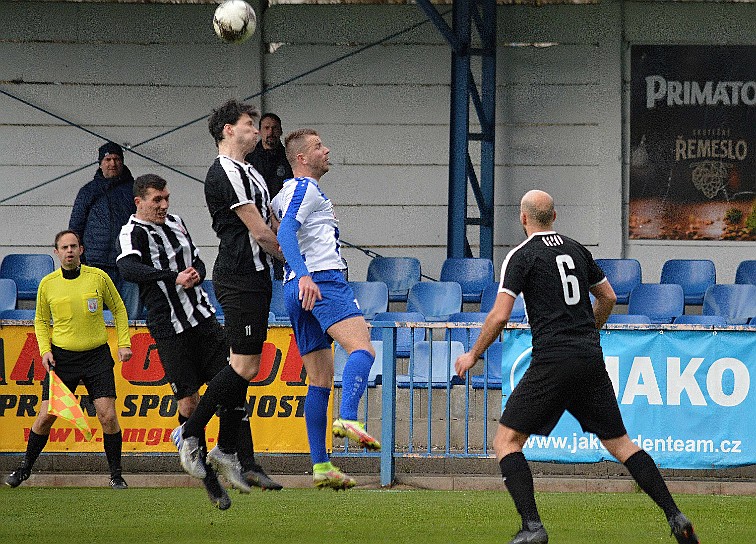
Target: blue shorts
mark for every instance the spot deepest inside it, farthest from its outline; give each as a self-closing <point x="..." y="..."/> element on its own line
<point x="338" y="303"/>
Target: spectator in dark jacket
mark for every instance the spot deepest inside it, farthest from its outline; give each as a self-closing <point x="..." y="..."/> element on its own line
<point x="101" y="207"/>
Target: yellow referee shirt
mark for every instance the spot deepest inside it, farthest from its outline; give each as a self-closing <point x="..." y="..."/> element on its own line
<point x="75" y="307"/>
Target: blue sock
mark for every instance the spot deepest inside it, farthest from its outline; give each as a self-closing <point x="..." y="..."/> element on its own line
<point x="354" y="381"/>
<point x="316" y="421"/>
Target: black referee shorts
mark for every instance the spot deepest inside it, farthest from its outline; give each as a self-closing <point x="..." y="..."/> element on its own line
<point x="245" y="300"/>
<point x="193" y="357"/>
<point x="580" y="386"/>
<point x="93" y="367"/>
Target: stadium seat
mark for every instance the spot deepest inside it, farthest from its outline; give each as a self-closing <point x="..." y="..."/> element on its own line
<point x="661" y="302"/>
<point x="436" y="300"/>
<point x="27" y="270"/>
<point x="398" y="273"/>
<point x="209" y="288"/>
<point x="493" y="369"/>
<point x="439" y="368"/>
<point x="632" y="319"/>
<point x="752" y="321"/>
<point x="746" y="273"/>
<point x="7" y="294"/>
<point x="693" y="319"/>
<point x="735" y="302"/>
<point x="623" y="274"/>
<point x="372" y="297"/>
<point x="277" y="305"/>
<point x="465" y="335"/>
<point x="405" y="336"/>
<point x="339" y="361"/>
<point x="518" y="315"/>
<point x="694" y="275"/>
<point x="473" y="275"/>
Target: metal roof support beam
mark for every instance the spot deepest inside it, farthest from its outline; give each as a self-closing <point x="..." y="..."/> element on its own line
<point x="469" y="15"/>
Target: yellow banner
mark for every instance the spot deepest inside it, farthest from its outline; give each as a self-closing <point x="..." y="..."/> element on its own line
<point x="146" y="408"/>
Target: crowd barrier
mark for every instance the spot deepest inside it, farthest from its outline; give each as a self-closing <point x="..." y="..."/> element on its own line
<point x="684" y="391"/>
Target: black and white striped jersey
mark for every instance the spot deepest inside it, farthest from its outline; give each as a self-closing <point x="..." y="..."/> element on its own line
<point x="228" y="185"/>
<point x="554" y="274"/>
<point x="152" y="255"/>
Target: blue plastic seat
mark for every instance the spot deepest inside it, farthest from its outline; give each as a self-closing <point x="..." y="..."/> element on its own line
<point x="735" y="302"/>
<point x="493" y="369"/>
<point x="339" y="361"/>
<point x="623" y="275"/>
<point x="277" y="305"/>
<point x="473" y="275"/>
<point x="436" y="300"/>
<point x="372" y="297"/>
<point x="22" y="315"/>
<point x="746" y="273"/>
<point x="695" y="319"/>
<point x="398" y="273"/>
<point x="693" y="275"/>
<point x="209" y="288"/>
<point x="661" y="302"/>
<point x="8" y="294"/>
<point x="27" y="270"/>
<point x="518" y="315"/>
<point x="439" y="368"/>
<point x="467" y="336"/>
<point x="632" y="319"/>
<point x="405" y="337"/>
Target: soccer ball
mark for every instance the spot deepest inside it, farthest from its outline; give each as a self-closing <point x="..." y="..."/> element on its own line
<point x="234" y="21"/>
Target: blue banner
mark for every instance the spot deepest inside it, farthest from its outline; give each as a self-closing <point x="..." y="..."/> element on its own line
<point x="685" y="396"/>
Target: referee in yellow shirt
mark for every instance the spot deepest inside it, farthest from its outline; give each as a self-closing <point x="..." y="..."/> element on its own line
<point x="77" y="349"/>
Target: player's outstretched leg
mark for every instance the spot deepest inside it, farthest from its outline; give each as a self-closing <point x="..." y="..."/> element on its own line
<point x="354" y="382"/>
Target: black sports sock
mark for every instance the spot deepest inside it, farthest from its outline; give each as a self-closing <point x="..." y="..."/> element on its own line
<point x="643" y="469"/>
<point x="227" y="389"/>
<point x="113" y="444"/>
<point x="229" y="423"/>
<point x="36" y="444"/>
<point x="519" y="482"/>
<point x="245" y="449"/>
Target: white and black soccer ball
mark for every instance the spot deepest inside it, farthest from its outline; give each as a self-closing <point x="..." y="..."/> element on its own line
<point x="234" y="21"/>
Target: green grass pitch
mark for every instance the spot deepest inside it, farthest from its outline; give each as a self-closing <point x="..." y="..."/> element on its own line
<point x="183" y="515"/>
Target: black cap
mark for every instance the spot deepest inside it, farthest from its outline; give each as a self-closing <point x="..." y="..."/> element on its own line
<point x="108" y="149"/>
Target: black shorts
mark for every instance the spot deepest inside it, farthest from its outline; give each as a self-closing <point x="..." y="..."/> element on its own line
<point x="580" y="386"/>
<point x="193" y="357"/>
<point x="245" y="300"/>
<point x="93" y="367"/>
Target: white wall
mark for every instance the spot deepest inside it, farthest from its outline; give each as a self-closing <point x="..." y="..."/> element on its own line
<point x="131" y="71"/>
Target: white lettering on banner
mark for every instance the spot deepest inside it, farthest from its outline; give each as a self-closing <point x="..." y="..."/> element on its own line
<point x="691" y="93"/>
<point x="642" y="369"/>
<point x="741" y="381"/>
<point x="642" y="382"/>
<point x="590" y="442"/>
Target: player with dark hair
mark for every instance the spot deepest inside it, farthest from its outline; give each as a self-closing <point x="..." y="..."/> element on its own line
<point x="77" y="349"/>
<point x="239" y="204"/>
<point x="555" y="275"/>
<point x="321" y="305"/>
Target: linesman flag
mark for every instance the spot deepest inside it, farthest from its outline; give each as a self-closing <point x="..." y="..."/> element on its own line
<point x="64" y="404"/>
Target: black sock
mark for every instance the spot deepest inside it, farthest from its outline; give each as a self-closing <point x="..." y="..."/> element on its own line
<point x="245" y="449"/>
<point x="37" y="443"/>
<point x="519" y="482"/>
<point x="227" y="389"/>
<point x="113" y="444"/>
<point x="229" y="424"/>
<point x="643" y="469"/>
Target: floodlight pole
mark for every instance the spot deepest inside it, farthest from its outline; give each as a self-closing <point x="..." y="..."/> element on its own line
<point x="466" y="15"/>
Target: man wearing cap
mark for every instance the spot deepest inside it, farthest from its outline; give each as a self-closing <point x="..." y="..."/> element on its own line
<point x="101" y="207"/>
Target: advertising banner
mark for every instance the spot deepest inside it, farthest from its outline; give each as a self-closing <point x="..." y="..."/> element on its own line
<point x="685" y="397"/>
<point x="693" y="142"/>
<point x="146" y="408"/>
